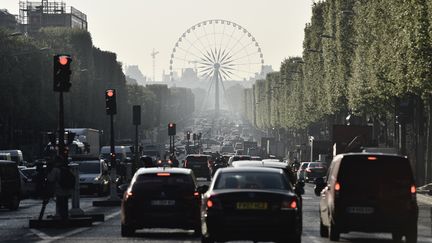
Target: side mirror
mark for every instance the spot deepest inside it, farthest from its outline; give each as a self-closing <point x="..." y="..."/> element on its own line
<point x="202" y="189"/>
<point x="319" y="185"/>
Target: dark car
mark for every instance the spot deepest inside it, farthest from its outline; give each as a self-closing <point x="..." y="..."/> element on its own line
<point x="10" y="184"/>
<point x="200" y="164"/>
<point x="161" y="198"/>
<point x="368" y="193"/>
<point x="250" y="203"/>
<point x="314" y="170"/>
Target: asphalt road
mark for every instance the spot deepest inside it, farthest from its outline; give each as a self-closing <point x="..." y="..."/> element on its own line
<point x="14" y="226"/>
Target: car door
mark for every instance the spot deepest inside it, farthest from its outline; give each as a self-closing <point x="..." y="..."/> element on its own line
<point x="327" y="195"/>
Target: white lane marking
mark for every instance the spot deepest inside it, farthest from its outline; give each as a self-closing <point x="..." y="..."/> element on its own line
<point x="48" y="239"/>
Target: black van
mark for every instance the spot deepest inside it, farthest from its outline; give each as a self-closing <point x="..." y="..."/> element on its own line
<point x="368" y="192"/>
<point x="10" y="185"/>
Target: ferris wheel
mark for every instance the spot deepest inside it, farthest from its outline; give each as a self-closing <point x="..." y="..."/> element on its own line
<point x="216" y="50"/>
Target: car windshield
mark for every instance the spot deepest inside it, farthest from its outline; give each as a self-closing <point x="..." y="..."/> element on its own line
<point x="315" y="165"/>
<point x="304" y="165"/>
<point x="251" y="180"/>
<point x="86" y="167"/>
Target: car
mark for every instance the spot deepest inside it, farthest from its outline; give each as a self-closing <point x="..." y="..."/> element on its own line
<point x="28" y="183"/>
<point x="200" y="164"/>
<point x="301" y="170"/>
<point x="314" y="170"/>
<point x="250" y="203"/>
<point x="161" y="197"/>
<point x="368" y="192"/>
<point x="237" y="158"/>
<point x="16" y="155"/>
<point x="10" y="184"/>
<point x="93" y="176"/>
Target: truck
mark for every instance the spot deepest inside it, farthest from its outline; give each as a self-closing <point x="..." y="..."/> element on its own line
<point x="89" y="137"/>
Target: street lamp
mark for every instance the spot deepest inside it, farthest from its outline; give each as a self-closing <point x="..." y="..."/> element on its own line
<point x="311" y="141"/>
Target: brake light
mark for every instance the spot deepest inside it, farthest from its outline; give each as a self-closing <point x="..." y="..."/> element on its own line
<point x="289" y="205"/>
<point x="196" y="194"/>
<point x="163" y="174"/>
<point x="308" y="170"/>
<point x="372" y="158"/>
<point x="210" y="203"/>
<point x="413" y="189"/>
<point x="337" y="186"/>
<point x="185" y="163"/>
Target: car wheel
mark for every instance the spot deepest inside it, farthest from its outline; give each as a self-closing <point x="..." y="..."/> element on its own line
<point x="411" y="234"/>
<point x="14" y="203"/>
<point x="324" y="232"/>
<point x="334" y="234"/>
<point x="127" y="231"/>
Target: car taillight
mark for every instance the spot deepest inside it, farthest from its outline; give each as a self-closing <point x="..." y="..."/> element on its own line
<point x="196" y="194"/>
<point x="337" y="186"/>
<point x="413" y="189"/>
<point x="213" y="203"/>
<point x="308" y="170"/>
<point x="163" y="174"/>
<point x="289" y="204"/>
<point x="185" y="164"/>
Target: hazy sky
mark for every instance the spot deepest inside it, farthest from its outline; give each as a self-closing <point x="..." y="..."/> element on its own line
<point x="132" y="28"/>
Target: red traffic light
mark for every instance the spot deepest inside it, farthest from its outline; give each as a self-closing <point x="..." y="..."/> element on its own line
<point x="63" y="60"/>
<point x="171" y="125"/>
<point x="110" y="93"/>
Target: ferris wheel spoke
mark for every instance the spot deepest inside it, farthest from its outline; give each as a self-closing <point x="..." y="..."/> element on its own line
<point x="245" y="56"/>
<point x="239" y="70"/>
<point x="241" y="49"/>
<point x="188" y="52"/>
<point x="243" y="64"/>
<point x="222" y="37"/>
<point x="224" y="72"/>
<point x="199" y="40"/>
<point x="193" y="45"/>
<point x="238" y="41"/>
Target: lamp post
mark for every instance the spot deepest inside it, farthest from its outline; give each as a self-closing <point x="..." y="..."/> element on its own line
<point x="311" y="141"/>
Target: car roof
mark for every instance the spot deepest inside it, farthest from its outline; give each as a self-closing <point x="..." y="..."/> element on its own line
<point x="250" y="169"/>
<point x="154" y="170"/>
<point x="257" y="163"/>
<point x="198" y="155"/>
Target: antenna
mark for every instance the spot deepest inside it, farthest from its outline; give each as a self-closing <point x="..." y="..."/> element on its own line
<point x="153" y="55"/>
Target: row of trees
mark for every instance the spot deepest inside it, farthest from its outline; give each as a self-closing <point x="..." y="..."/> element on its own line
<point x="364" y="62"/>
<point x="30" y="107"/>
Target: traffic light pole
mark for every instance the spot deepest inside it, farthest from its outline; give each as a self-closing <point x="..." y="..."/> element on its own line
<point x="113" y="175"/>
<point x="61" y="206"/>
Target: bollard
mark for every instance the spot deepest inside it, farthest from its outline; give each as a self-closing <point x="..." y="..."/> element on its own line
<point x="75" y="210"/>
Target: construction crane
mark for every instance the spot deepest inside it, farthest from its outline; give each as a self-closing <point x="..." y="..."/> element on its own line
<point x="153" y="55"/>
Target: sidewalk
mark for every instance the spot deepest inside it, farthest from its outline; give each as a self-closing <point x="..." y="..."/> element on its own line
<point x="424" y="198"/>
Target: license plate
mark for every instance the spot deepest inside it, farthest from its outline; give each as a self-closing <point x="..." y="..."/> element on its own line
<point x="162" y="202"/>
<point x="252" y="205"/>
<point x="360" y="210"/>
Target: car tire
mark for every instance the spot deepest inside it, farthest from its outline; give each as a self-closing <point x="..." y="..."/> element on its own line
<point x="324" y="232"/>
<point x="14" y="203"/>
<point x="334" y="234"/>
<point x="127" y="231"/>
<point x="411" y="234"/>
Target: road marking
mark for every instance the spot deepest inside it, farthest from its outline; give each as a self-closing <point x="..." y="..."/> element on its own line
<point x="48" y="239"/>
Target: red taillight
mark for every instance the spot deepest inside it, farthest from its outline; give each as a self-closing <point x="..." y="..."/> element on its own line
<point x="372" y="158"/>
<point x="413" y="189"/>
<point x="337" y="186"/>
<point x="163" y="174"/>
<point x="196" y="194"/>
<point x="288" y="205"/>
<point x="185" y="163"/>
<point x="308" y="170"/>
<point x="210" y="203"/>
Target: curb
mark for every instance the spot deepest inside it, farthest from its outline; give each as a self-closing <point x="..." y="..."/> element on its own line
<point x="424" y="199"/>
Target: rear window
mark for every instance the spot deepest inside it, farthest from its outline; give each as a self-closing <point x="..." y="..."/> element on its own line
<point x="315" y="165"/>
<point x="164" y="179"/>
<point x="202" y="159"/>
<point x="361" y="172"/>
<point x="237" y="158"/>
<point x="252" y="180"/>
<point x="89" y="167"/>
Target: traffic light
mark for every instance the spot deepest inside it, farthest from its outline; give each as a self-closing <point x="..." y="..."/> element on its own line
<point x="194" y="137"/>
<point x="62" y="73"/>
<point x="110" y="100"/>
<point x="171" y="129"/>
<point x="188" y="136"/>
